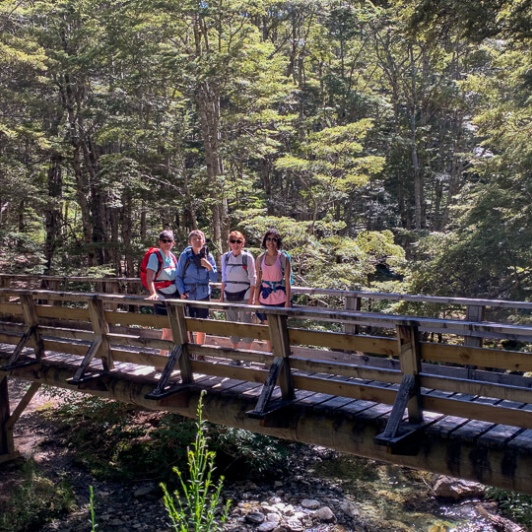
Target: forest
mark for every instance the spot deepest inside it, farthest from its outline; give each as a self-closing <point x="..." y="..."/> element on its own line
<point x="388" y="141"/>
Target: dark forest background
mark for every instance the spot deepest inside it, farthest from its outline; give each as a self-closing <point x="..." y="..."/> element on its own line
<point x="389" y="142"/>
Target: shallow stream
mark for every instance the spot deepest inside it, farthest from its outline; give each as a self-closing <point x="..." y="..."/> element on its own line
<point x="391" y="498"/>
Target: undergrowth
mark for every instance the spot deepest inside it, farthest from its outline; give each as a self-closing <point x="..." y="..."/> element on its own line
<point x="515" y="506"/>
<point x="117" y="441"/>
<point x="33" y="499"/>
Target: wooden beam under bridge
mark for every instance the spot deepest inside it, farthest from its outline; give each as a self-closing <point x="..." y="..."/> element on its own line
<point x="342" y="429"/>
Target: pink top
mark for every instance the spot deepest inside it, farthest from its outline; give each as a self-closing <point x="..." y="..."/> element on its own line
<point x="274" y="274"/>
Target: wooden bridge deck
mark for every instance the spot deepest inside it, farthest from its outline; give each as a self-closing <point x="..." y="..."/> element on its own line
<point x="390" y="395"/>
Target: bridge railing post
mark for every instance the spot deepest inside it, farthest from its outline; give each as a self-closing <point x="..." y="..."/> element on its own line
<point x="473" y="313"/>
<point x="279" y="338"/>
<point x="279" y="371"/>
<point x="178" y="325"/>
<point x="31" y="333"/>
<point x="5" y="282"/>
<point x="353" y="303"/>
<point x="409" y="393"/>
<point x="179" y="354"/>
<point x="410" y="360"/>
<point x="100" y="344"/>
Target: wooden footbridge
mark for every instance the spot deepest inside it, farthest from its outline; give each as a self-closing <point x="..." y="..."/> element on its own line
<point x="430" y="392"/>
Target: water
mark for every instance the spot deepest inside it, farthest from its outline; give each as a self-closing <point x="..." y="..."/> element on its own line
<point x="392" y="498"/>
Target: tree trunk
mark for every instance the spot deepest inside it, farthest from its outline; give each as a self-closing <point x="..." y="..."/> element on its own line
<point x="53" y="212"/>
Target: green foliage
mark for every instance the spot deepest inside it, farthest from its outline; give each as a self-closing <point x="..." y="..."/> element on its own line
<point x="328" y="120"/>
<point x="34" y="500"/>
<point x="112" y="440"/>
<point x="345" y="263"/>
<point x="513" y="505"/>
<point x="92" y="509"/>
<point x="240" y="451"/>
<point x="196" y="506"/>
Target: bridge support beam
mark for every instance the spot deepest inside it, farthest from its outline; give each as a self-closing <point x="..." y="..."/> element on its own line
<point x="8" y="420"/>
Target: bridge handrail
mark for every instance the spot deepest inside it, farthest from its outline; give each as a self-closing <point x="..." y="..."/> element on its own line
<point x="451" y="326"/>
<point x="6" y="279"/>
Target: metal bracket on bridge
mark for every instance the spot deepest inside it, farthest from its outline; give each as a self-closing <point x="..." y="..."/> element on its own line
<point x="400" y="437"/>
<point x="162" y="389"/>
<point x="264" y="405"/>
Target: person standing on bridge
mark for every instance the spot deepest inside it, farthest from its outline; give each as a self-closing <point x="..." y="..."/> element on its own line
<point x="161" y="272"/>
<point x="273" y="269"/>
<point x="238" y="283"/>
<point x="196" y="268"/>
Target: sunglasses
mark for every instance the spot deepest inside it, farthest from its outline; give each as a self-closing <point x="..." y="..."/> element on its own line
<point x="236" y="241"/>
<point x="271" y="239"/>
<point x="166" y="241"/>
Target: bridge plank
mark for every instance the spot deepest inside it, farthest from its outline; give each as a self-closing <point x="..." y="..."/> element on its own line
<point x="493" y="358"/>
<point x="498" y="391"/>
<point x="346" y="342"/>
<point x="10" y="309"/>
<point x="521" y="443"/>
<point x="499" y="435"/>
<point x="346" y="389"/>
<point x="469" y="409"/>
<point x="471" y="430"/>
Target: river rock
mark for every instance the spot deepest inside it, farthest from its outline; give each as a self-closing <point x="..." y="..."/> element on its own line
<point x="456" y="489"/>
<point x="325" y="515"/>
<point x="267" y="527"/>
<point x="349" y="508"/>
<point x="255" y="518"/>
<point x="310" y="504"/>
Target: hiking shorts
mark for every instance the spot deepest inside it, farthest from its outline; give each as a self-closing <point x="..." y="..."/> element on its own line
<point x="262" y="315"/>
<point x="197" y="312"/>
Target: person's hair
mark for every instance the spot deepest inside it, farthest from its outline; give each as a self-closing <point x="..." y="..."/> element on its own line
<point x="166" y="234"/>
<point x="196" y="232"/>
<point x="275" y="234"/>
<point x="237" y="234"/>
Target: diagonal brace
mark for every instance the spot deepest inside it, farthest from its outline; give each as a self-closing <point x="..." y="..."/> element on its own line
<point x="159" y="390"/>
<point x="390" y="436"/>
<point x="80" y="376"/>
<point x="267" y="390"/>
<point x="13" y="360"/>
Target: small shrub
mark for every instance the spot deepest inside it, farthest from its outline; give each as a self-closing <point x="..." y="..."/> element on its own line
<point x="34" y="499"/>
<point x="240" y="451"/>
<point x="513" y="505"/>
<point x="196" y="505"/>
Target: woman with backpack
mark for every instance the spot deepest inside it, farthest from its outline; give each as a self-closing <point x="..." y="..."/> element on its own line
<point x="238" y="283"/>
<point x="158" y="273"/>
<point x="196" y="268"/>
<point x="273" y="270"/>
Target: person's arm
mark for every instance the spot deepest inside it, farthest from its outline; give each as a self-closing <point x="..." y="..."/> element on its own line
<point x="259" y="280"/>
<point x="210" y="264"/>
<point x="151" y="273"/>
<point x="150" y="278"/>
<point x="179" y="276"/>
<point x="252" y="278"/>
<point x="288" y="287"/>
